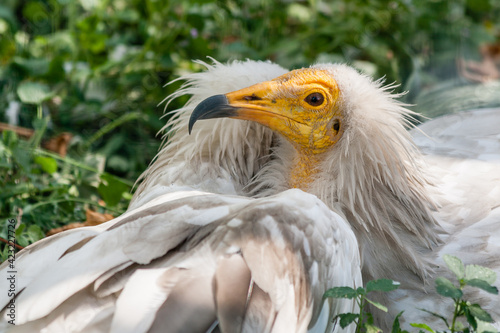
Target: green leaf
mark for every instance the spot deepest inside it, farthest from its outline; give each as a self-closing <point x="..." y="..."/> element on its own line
<point x="7" y="50"/>
<point x="481" y="273"/>
<point x="423" y="326"/>
<point x="347" y="318"/>
<point x="340" y="292"/>
<point x="470" y="319"/>
<point x="478" y="313"/>
<point x="396" y="326"/>
<point x="377" y="305"/>
<point x="445" y="288"/>
<point x="7" y="14"/>
<point x="22" y="157"/>
<point x="461" y="327"/>
<point x="483" y="327"/>
<point x="33" y="92"/>
<point x="34" y="67"/>
<point x="455" y="265"/>
<point x="479" y="5"/>
<point x="34" y="233"/>
<point x="381" y="285"/>
<point x="10" y="138"/>
<point x="372" y="329"/>
<point x="20" y="229"/>
<point x="20" y="235"/>
<point x="48" y="164"/>
<point x="111" y="189"/>
<point x="361" y="291"/>
<point x="369" y="318"/>
<point x="483" y="285"/>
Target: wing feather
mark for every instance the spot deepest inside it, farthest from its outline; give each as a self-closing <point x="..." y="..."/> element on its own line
<point x="231" y="284"/>
<point x="254" y="264"/>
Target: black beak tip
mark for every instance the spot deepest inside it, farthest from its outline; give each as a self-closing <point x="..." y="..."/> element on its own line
<point x="213" y="107"/>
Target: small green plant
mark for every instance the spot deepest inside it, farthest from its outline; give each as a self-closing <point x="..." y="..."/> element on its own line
<point x="363" y="319"/>
<point x="476" y="318"/>
<point x="476" y="276"/>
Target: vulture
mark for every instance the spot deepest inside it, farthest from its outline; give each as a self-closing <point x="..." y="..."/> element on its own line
<point x="272" y="187"/>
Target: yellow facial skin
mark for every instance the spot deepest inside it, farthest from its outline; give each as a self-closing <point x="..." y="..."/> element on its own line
<point x="301" y="105"/>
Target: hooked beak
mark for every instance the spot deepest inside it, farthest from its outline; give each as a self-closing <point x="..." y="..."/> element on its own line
<point x="216" y="106"/>
<point x="252" y="103"/>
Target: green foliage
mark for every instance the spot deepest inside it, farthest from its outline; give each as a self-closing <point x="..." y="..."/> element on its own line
<point x="472" y="276"/>
<point x="42" y="190"/>
<point x="363" y="319"/>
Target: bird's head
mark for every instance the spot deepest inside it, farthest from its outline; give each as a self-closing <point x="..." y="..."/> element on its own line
<point x="302" y="105"/>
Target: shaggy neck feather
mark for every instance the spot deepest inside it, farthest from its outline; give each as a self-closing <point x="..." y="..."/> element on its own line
<point x="303" y="170"/>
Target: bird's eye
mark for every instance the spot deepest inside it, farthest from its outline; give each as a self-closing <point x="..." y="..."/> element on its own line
<point x="315" y="99"/>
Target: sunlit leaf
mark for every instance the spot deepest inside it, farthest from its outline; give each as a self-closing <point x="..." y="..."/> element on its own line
<point x="484" y="327"/>
<point x="455" y="265"/>
<point x="377" y="305"/>
<point x="33" y="92"/>
<point x="481" y="273"/>
<point x="372" y="329"/>
<point x="422" y="326"/>
<point x="48" y="164"/>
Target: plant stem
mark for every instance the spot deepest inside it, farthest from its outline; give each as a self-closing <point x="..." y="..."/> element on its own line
<point x="361" y="304"/>
<point x="40" y="129"/>
<point x="39" y="111"/>
<point x="455" y="315"/>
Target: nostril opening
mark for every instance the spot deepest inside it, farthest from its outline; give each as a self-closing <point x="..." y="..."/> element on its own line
<point x="253" y="97"/>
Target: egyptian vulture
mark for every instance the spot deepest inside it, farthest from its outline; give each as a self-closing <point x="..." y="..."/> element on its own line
<point x="243" y="224"/>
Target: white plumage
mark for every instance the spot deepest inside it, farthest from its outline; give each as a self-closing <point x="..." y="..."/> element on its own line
<point x="194" y="248"/>
<point x="215" y="233"/>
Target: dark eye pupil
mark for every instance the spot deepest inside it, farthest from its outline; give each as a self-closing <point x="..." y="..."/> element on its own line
<point x="315" y="99"/>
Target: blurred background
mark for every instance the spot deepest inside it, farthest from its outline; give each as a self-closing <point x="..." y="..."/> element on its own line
<point x="80" y="80"/>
